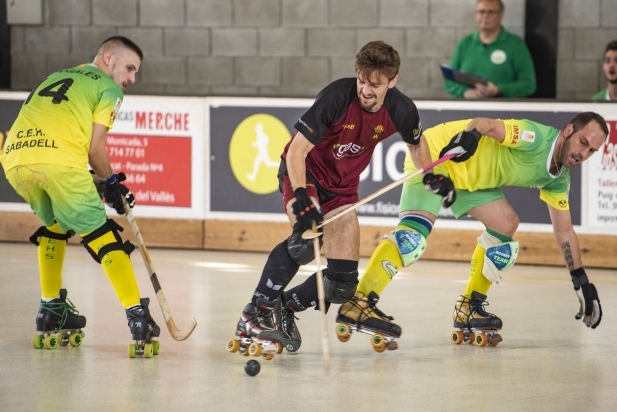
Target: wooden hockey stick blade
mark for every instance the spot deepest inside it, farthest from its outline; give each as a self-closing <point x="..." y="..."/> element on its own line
<point x="325" y="348"/>
<point x="310" y="234"/>
<point x="175" y="333"/>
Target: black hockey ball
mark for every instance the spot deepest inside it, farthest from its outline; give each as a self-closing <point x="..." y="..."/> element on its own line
<point x="252" y="367"/>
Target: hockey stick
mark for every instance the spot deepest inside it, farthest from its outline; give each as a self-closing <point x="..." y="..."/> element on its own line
<point x="325" y="350"/>
<point x="175" y="333"/>
<point x="310" y="234"/>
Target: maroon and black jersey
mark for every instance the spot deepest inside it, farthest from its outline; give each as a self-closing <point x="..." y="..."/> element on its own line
<point x="345" y="135"/>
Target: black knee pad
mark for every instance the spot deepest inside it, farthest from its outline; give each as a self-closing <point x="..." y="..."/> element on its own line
<point x="301" y="250"/>
<point x="43" y="231"/>
<point x="109" y="226"/>
<point x="339" y="286"/>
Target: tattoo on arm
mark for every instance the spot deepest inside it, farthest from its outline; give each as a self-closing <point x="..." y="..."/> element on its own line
<point x="568" y="255"/>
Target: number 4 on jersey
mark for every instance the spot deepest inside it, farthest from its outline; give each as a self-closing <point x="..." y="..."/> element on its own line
<point x="58" y="95"/>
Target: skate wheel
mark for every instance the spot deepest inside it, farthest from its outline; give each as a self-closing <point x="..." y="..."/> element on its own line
<point x="37" y="342"/>
<point x="233" y="345"/>
<point x="472" y="338"/>
<point x="50" y="342"/>
<point x="156" y="347"/>
<point x="279" y="347"/>
<point x="254" y="349"/>
<point x="61" y="340"/>
<point x="343" y="333"/>
<point x="378" y="342"/>
<point x="75" y="340"/>
<point x="245" y="353"/>
<point x="481" y="339"/>
<point x="132" y="352"/>
<point x="268" y="356"/>
<point x="393" y="345"/>
<point x="457" y="337"/>
<point x="148" y="350"/>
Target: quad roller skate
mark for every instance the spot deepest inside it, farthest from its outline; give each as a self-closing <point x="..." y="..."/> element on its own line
<point x="361" y="314"/>
<point x="474" y="324"/>
<point x="285" y="321"/>
<point x="255" y="333"/>
<point x="58" y="323"/>
<point x="143" y="329"/>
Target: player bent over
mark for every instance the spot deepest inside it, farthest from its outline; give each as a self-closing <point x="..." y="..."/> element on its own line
<point x="319" y="175"/>
<point x="509" y="152"/>
<point x="62" y="126"/>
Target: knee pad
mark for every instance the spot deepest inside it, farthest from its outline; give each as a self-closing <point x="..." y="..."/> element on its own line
<point x="339" y="286"/>
<point x="498" y="256"/>
<point x="109" y="226"/>
<point x="410" y="244"/>
<point x="301" y="250"/>
<point x="43" y="231"/>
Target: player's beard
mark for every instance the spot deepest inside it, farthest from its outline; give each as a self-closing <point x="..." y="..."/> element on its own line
<point x="566" y="156"/>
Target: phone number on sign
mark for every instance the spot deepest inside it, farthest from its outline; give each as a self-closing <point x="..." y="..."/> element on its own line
<point x="136" y="152"/>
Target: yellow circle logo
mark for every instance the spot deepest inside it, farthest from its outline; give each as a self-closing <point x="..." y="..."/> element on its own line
<point x="255" y="152"/>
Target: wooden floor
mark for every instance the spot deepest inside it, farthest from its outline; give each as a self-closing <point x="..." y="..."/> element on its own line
<point x="548" y="361"/>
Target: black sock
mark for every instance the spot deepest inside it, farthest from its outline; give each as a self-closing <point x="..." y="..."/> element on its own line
<point x="277" y="273"/>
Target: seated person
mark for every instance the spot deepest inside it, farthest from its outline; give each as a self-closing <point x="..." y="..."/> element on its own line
<point x="609" y="65"/>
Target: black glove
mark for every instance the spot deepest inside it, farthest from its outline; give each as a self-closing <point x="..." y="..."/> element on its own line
<point x="590" y="309"/>
<point x="305" y="210"/>
<point x="464" y="144"/>
<point x="114" y="192"/>
<point x="440" y="185"/>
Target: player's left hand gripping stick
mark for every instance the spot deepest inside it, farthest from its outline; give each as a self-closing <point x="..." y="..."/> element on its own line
<point x="311" y="234"/>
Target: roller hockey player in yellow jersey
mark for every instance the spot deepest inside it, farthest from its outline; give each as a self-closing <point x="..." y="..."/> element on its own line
<point x="507" y="152"/>
<point x="61" y="128"/>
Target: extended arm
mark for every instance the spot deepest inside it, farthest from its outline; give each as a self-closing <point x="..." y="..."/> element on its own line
<point x="589" y="302"/>
<point x="305" y="210"/>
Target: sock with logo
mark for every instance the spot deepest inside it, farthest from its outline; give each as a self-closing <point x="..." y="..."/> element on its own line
<point x="277" y="273"/>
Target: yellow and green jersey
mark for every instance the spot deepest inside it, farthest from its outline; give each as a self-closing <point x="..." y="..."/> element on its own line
<point x="522" y="159"/>
<point x="54" y="125"/>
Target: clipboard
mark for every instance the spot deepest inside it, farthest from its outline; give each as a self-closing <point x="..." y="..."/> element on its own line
<point x="460" y="76"/>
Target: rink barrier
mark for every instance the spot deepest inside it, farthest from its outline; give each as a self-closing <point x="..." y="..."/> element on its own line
<point x="536" y="248"/>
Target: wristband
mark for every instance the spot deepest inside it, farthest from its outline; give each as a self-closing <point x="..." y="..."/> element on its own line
<point x="579" y="277"/>
<point x="300" y="192"/>
<point x="111" y="179"/>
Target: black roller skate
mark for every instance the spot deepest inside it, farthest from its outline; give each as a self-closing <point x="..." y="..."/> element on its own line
<point x="361" y="314"/>
<point x="475" y="325"/>
<point x="58" y="323"/>
<point x="285" y="321"/>
<point x="143" y="329"/>
<point x="255" y="333"/>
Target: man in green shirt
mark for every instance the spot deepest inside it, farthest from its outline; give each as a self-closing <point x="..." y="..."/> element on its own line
<point x="494" y="53"/>
<point x="61" y="128"/>
<point x="609" y="65"/>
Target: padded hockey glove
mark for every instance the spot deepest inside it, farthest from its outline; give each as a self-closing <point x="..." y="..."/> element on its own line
<point x="464" y="144"/>
<point x="442" y="186"/>
<point x="305" y="210"/>
<point x="590" y="309"/>
<point x="114" y="193"/>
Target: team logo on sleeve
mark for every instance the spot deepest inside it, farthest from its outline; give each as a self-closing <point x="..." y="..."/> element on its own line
<point x="528" y="136"/>
<point x="115" y="112"/>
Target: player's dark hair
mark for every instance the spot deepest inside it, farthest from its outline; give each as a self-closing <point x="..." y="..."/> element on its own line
<point x="127" y="43"/>
<point x="612" y="45"/>
<point x="377" y="55"/>
<point x="583" y="119"/>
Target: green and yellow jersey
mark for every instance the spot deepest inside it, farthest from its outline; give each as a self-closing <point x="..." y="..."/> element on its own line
<point x="522" y="159"/>
<point x="54" y="125"/>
